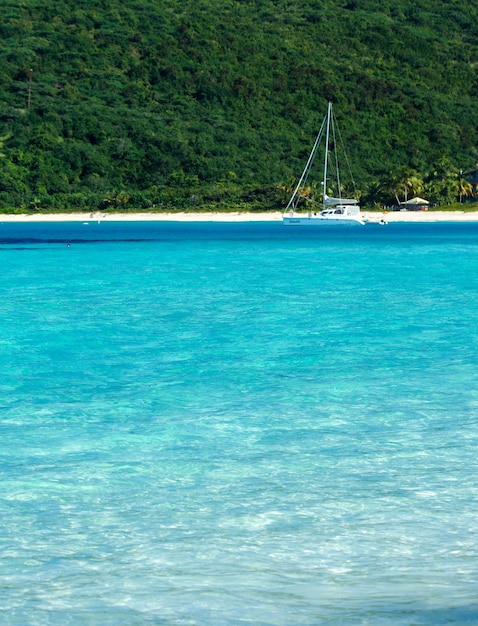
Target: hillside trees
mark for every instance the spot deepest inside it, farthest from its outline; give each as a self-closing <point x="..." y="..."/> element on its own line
<point x="170" y="102"/>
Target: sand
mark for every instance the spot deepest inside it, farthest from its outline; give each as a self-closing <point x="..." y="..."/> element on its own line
<point x="424" y="216"/>
<point x="395" y="216"/>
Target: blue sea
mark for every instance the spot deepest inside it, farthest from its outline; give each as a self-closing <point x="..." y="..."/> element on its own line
<point x="238" y="424"/>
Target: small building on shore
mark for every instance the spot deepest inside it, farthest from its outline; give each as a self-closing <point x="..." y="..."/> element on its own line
<point x="415" y="204"/>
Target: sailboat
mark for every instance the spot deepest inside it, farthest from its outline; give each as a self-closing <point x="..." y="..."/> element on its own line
<point x="333" y="210"/>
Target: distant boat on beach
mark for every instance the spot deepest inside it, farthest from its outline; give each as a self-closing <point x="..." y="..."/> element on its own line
<point x="333" y="210"/>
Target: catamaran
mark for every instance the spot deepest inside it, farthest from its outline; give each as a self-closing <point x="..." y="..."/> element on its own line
<point x="334" y="210"/>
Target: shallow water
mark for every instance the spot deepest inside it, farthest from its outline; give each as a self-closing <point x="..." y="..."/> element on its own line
<point x="223" y="424"/>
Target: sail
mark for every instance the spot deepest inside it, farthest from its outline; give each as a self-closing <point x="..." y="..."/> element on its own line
<point x="333" y="201"/>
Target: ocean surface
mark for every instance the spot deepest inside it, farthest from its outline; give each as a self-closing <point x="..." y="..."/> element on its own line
<point x="238" y="424"/>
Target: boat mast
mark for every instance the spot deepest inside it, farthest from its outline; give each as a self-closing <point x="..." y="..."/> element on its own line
<point x="324" y="183"/>
<point x="298" y="191"/>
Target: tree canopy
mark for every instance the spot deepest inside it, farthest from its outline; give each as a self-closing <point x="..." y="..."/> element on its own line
<point x="187" y="103"/>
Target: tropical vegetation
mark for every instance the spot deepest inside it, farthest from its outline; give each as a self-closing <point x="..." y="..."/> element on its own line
<point x="199" y="104"/>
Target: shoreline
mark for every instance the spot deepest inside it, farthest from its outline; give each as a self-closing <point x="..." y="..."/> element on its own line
<point x="392" y="217"/>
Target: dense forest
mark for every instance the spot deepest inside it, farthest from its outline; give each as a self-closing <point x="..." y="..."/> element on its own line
<point x="199" y="104"/>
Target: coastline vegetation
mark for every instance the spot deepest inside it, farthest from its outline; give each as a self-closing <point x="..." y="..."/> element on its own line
<point x="195" y="105"/>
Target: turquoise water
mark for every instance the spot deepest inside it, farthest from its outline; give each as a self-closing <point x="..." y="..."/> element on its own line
<point x="216" y="425"/>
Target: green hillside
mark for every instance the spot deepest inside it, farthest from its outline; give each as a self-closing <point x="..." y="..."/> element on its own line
<point x="199" y="103"/>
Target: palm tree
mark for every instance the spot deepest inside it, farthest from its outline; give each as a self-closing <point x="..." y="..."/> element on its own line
<point x="444" y="170"/>
<point x="377" y="194"/>
<point x="402" y="182"/>
<point x="117" y="199"/>
<point x="465" y="188"/>
<point x="413" y="183"/>
<point x="443" y="183"/>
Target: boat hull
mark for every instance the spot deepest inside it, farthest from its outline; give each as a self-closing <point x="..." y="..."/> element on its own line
<point x="322" y="221"/>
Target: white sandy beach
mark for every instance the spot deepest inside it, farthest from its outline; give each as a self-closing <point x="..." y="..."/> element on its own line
<point x="396" y="216"/>
<point x="423" y="216"/>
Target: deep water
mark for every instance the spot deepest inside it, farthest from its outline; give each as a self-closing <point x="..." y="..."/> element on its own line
<point x="225" y="424"/>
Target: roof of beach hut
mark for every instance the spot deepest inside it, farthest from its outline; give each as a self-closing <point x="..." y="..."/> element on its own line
<point x="416" y="201"/>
